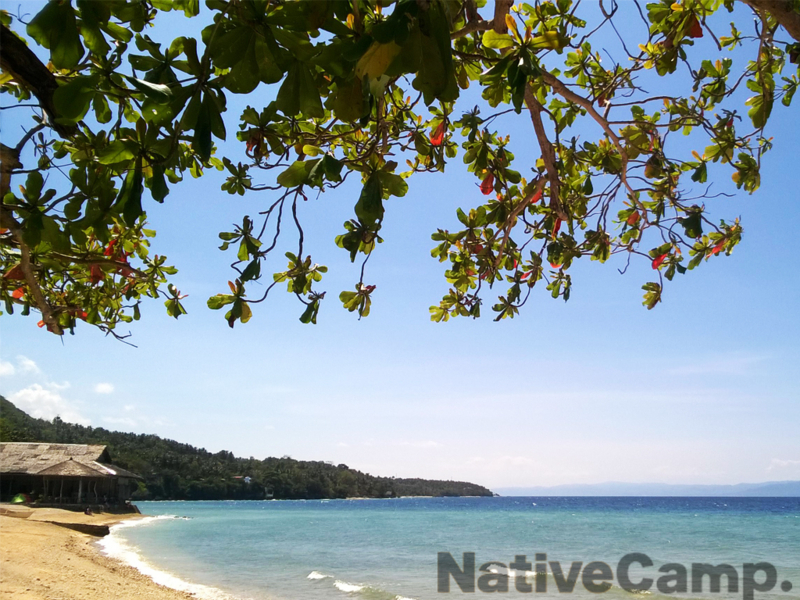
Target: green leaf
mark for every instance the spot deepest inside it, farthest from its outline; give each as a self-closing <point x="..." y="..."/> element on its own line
<point x="220" y="300"/>
<point x="299" y="94"/>
<point x="436" y="78"/>
<point x="761" y="107"/>
<point x="33" y="186"/>
<point x="118" y="151"/>
<point x="348" y="100"/>
<point x="92" y="14"/>
<point x="129" y="201"/>
<point x="652" y="295"/>
<point x="549" y="39"/>
<point x="101" y="110"/>
<point x="72" y="99"/>
<point x="246" y="312"/>
<point x="252" y="270"/>
<point x="492" y="39"/>
<point x="369" y="208"/>
<point x="310" y="313"/>
<point x="158" y="184"/>
<point x="393" y="184"/>
<point x="693" y="223"/>
<point x="376" y="60"/>
<point x="54" y="27"/>
<point x="155" y="91"/>
<point x="297" y="174"/>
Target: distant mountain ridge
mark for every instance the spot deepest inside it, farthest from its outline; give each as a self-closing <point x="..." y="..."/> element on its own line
<point x="768" y="489"/>
<point x="176" y="471"/>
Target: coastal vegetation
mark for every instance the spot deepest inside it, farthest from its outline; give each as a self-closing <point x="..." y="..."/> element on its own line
<point x="176" y="471"/>
<point x="628" y="109"/>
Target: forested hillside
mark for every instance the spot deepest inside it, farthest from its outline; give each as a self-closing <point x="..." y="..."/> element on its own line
<point x="175" y="471"/>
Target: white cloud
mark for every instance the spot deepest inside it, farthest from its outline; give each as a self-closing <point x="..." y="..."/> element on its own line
<point x="778" y="464"/>
<point x="44" y="403"/>
<point x="104" y="388"/>
<point x="6" y="369"/>
<point x="26" y="365"/>
<point x="129" y="407"/>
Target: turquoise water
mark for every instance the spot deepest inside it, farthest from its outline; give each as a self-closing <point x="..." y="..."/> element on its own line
<point x="384" y="549"/>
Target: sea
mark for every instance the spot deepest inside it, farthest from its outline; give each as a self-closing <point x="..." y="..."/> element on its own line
<point x="417" y="548"/>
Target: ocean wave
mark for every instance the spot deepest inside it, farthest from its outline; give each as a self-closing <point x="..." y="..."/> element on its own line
<point x="349" y="588"/>
<point x="117" y="547"/>
<point x="367" y="592"/>
<point x="146" y="521"/>
<point x="314" y="575"/>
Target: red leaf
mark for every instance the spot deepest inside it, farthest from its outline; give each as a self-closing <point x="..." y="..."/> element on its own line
<point x="18" y="293"/>
<point x="14" y="272"/>
<point x="657" y="262"/>
<point x="487" y="185"/>
<point x="718" y="248"/>
<point x="695" y="29"/>
<point x="536" y="197"/>
<point x="556" y="227"/>
<point x="96" y="274"/>
<point x="555" y="266"/>
<point x="437" y="137"/>
<point x="633" y="219"/>
<point x="525" y="276"/>
<point x="110" y="248"/>
<point x="40" y="324"/>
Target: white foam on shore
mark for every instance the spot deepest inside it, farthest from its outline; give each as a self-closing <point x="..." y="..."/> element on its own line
<point x="115" y="546"/>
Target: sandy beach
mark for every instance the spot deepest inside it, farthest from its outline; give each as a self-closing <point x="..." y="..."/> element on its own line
<point x="44" y="561"/>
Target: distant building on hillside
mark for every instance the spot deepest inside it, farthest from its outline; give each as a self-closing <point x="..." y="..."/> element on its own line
<point x="67" y="475"/>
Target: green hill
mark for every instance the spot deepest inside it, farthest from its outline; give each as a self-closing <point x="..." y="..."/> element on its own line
<point x="175" y="471"/>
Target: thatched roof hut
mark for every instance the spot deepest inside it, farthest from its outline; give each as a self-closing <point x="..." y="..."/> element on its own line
<point x="32" y="468"/>
<point x="21" y="457"/>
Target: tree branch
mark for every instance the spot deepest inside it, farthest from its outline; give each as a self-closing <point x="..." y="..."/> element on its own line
<point x="786" y="16"/>
<point x="24" y="66"/>
<point x="9" y="160"/>
<point x="510" y="221"/>
<point x="471" y="28"/>
<point x="563" y="91"/>
<point x="548" y="153"/>
<point x="501" y="8"/>
<point x="475" y="23"/>
<point x="100" y="261"/>
<point x="9" y="222"/>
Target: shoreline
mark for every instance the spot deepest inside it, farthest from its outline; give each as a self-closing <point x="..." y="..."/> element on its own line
<point x="42" y="560"/>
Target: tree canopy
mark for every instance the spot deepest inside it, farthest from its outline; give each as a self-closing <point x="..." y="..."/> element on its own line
<point x="370" y="90"/>
<point x="176" y="471"/>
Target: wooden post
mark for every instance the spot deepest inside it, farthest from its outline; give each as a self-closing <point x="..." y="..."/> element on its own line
<point x="61" y="492"/>
<point x="80" y="489"/>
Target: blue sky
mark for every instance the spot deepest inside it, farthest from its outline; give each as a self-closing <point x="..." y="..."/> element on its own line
<point x="699" y="390"/>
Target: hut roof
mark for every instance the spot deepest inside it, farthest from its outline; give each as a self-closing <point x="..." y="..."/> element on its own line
<point x="75" y="460"/>
<point x="71" y="468"/>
